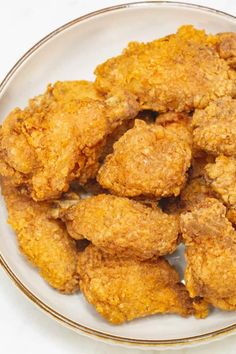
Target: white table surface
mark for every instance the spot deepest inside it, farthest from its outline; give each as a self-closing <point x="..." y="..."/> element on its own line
<point x="24" y="329"/>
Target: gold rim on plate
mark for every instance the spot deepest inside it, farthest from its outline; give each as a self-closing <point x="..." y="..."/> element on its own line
<point x="175" y="342"/>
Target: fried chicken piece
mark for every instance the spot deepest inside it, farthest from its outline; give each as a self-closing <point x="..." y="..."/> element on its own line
<point x="43" y="241"/>
<point x="124" y="289"/>
<point x="121" y="226"/>
<point x="210" y="252"/>
<point x="176" y="73"/>
<point x="58" y="145"/>
<point x="214" y="128"/>
<point x="57" y="139"/>
<point x="148" y="160"/>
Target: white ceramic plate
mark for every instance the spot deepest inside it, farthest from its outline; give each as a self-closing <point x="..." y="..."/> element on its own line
<point x="72" y="52"/>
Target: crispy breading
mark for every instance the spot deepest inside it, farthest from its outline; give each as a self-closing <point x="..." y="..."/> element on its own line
<point x="147" y="160"/>
<point x="120" y="106"/>
<point x="177" y="123"/>
<point x="115" y="135"/>
<point x="73" y="90"/>
<point x="195" y="192"/>
<point x="214" y="128"/>
<point x="196" y="189"/>
<point x="179" y="72"/>
<point x="225" y="44"/>
<point x="210" y="243"/>
<point x="51" y="146"/>
<point x="121" y="226"/>
<point x="57" y="139"/>
<point x="124" y="289"/>
<point x="43" y="241"/>
<point x="221" y="177"/>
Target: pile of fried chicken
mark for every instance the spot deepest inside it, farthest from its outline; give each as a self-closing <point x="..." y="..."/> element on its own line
<point x="102" y="180"/>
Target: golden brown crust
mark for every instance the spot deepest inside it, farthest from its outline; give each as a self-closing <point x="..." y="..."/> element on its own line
<point x="221" y="177"/>
<point x="179" y="72"/>
<point x="214" y="128"/>
<point x="147" y="160"/>
<point x="115" y="135"/>
<point x="120" y="226"/>
<point x="225" y="44"/>
<point x="74" y="90"/>
<point x="194" y="193"/>
<point x="45" y="242"/>
<point x="177" y="123"/>
<point x="124" y="289"/>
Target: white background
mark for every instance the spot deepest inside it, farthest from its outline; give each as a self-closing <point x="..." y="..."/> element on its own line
<point x="24" y="329"/>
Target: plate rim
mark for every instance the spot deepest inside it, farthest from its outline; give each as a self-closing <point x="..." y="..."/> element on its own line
<point x="99" y="335"/>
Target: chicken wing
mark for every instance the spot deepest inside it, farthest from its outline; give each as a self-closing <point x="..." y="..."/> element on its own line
<point x="57" y="138"/>
<point x="179" y="72"/>
<point x="43" y="241"/>
<point x="147" y="160"/>
<point x="214" y="128"/>
<point x="121" y="226"/>
<point x="124" y="289"/>
<point x="210" y="240"/>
